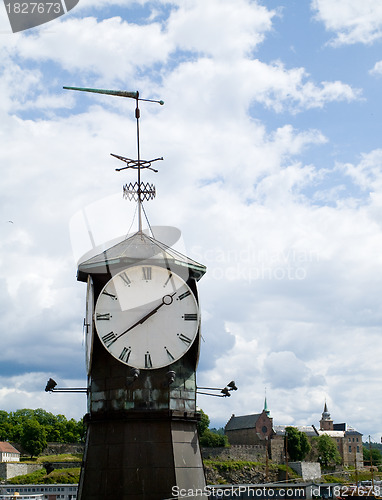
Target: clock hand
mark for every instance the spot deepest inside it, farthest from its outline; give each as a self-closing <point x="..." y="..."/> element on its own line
<point x="166" y="300"/>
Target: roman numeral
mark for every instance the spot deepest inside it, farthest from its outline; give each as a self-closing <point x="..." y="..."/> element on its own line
<point x="169" y="354"/>
<point x="109" y="295"/>
<point x="148" y="363"/>
<point x="146" y="273"/>
<point x="190" y="317"/>
<point x="184" y="295"/>
<point x="184" y="338"/>
<point x="109" y="339"/>
<point x="103" y="316"/>
<point x="125" y="278"/>
<point x="125" y="354"/>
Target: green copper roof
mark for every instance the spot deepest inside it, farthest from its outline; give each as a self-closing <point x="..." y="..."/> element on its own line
<point x="266" y="406"/>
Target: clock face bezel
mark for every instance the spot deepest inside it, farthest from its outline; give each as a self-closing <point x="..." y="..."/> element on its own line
<point x="89" y="333"/>
<point x="147" y="317"/>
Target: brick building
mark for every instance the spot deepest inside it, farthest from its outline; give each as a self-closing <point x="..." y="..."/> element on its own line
<point x="250" y="429"/>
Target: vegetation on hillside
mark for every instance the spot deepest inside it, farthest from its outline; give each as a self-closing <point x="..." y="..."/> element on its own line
<point x="376" y="456"/>
<point x="58" y="476"/>
<point x="23" y="424"/>
<point x="63" y="457"/>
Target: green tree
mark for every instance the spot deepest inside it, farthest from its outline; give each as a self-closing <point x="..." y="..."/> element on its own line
<point x="33" y="438"/>
<point x="297" y="445"/>
<point x="327" y="451"/>
<point x="212" y="439"/>
<point x="376" y="457"/>
<point x="203" y="423"/>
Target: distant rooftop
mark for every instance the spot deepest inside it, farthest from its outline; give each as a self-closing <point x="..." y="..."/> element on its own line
<point x="6" y="447"/>
<point x="242" y="422"/>
<point x="346" y="428"/>
<point x="309" y="430"/>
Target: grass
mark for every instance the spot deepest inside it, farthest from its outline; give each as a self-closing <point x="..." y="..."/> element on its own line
<point x="66" y="457"/>
<point x="231" y="465"/>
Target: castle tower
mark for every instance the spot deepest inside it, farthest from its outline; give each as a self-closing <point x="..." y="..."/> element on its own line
<point x="326" y="423"/>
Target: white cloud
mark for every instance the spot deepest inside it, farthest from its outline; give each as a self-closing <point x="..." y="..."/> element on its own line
<point x="377" y="69"/>
<point x="217" y="30"/>
<point x="368" y="173"/>
<point x="351" y="21"/>
<point x="27" y="391"/>
<point x="131" y="46"/>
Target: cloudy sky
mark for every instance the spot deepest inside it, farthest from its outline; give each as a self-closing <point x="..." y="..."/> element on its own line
<point x="271" y="138"/>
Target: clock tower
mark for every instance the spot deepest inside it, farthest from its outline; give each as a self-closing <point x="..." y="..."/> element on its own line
<point x="142" y="349"/>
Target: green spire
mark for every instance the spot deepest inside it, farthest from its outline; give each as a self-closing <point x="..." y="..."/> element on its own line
<point x="266" y="407"/>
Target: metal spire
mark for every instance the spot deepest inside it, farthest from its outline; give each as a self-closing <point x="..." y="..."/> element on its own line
<point x="138" y="191"/>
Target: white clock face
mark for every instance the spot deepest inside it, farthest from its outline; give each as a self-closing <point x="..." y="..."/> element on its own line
<point x="147" y="317"/>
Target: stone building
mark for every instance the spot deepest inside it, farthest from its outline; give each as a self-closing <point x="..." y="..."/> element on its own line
<point x="347" y="439"/>
<point x="258" y="429"/>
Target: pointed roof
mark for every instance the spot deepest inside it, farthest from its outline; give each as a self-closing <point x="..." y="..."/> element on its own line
<point x="266" y="407"/>
<point x="140" y="248"/>
<point x="325" y="413"/>
<point x="242" y="422"/>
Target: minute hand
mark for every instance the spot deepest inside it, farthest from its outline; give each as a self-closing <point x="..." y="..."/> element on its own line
<point x="166" y="300"/>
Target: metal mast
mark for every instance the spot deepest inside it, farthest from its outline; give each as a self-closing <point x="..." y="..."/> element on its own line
<point x="138" y="191"/>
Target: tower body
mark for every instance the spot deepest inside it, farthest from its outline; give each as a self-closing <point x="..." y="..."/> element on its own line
<point x="326" y="423"/>
<point x="142" y="440"/>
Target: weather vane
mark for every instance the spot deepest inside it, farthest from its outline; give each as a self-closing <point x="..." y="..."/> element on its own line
<point x="137" y="191"/>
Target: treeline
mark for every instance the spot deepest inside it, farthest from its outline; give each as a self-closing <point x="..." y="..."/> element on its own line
<point x="55" y="428"/>
<point x="210" y="437"/>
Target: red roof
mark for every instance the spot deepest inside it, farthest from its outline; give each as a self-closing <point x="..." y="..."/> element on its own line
<point x="6" y="447"/>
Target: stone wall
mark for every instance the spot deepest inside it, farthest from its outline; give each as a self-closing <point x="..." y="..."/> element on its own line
<point x="250" y="453"/>
<point x="55" y="448"/>
<point x="277" y="450"/>
<point x="9" y="470"/>
<point x="309" y="471"/>
<point x="59" y="448"/>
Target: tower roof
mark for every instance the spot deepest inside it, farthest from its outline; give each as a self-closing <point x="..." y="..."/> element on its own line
<point x="325" y="413"/>
<point x="267" y="411"/>
<point x="140" y="248"/>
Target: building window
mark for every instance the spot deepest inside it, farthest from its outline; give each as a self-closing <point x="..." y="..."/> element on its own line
<point x="349" y="448"/>
<point x="357" y="449"/>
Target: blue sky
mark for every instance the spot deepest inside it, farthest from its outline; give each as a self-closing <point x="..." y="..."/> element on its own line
<point x="271" y="138"/>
